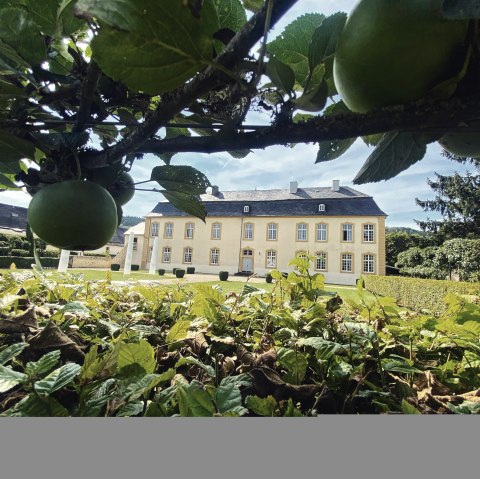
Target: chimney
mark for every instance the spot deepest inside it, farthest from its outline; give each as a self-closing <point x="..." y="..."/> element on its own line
<point x="215" y="190"/>
<point x="336" y="185"/>
<point x="293" y="186"/>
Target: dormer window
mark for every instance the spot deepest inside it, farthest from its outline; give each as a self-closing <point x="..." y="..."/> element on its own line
<point x="321" y="207"/>
<point x="246" y="209"/>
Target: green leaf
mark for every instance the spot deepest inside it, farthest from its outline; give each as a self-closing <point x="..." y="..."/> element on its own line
<point x="18" y="29"/>
<point x="189" y="360"/>
<point x="57" y="379"/>
<point x="8" y="89"/>
<point x="44" y="365"/>
<point x="408" y="408"/>
<point x="333" y="149"/>
<point x="132" y="388"/>
<point x="395" y="152"/>
<point x="314" y="99"/>
<point x="281" y="74"/>
<point x="325" y="38"/>
<point x="239" y="153"/>
<point x="163" y="44"/>
<point x="253" y="5"/>
<point x="178" y="331"/>
<point x="461" y="9"/>
<point x="9" y="352"/>
<point x="37" y="406"/>
<point x="187" y="203"/>
<point x="262" y="406"/>
<point x="131" y="409"/>
<point x="141" y="353"/>
<point x="180" y="178"/>
<point x="231" y="14"/>
<point x="325" y="349"/>
<point x="10" y="378"/>
<point x="292" y="46"/>
<point x="229" y="399"/>
<point x="295" y="362"/>
<point x="398" y="366"/>
<point x="194" y="400"/>
<point x="13" y="148"/>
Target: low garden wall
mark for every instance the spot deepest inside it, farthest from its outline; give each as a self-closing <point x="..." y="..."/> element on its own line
<point x="90" y="261"/>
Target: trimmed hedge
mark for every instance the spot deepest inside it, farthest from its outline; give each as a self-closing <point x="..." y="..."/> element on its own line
<point x="419" y="294"/>
<point x="161" y="272"/>
<point x="179" y="273"/>
<point x="191" y="270"/>
<point x="268" y="278"/>
<point x="115" y="267"/>
<point x="26" y="262"/>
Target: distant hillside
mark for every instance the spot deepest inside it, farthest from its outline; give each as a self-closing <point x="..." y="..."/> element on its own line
<point x="403" y="229"/>
<point x="129" y="221"/>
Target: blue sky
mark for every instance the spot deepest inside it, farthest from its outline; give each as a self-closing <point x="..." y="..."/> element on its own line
<point x="275" y="167"/>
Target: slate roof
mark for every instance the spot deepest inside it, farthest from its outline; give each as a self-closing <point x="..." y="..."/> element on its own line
<point x="345" y="202"/>
<point x="13" y="217"/>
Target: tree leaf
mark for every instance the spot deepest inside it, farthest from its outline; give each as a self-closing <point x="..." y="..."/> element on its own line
<point x="281" y="74"/>
<point x="37" y="406"/>
<point x="408" y="408"/>
<point x="181" y="178"/>
<point x="163" y="44"/>
<point x="231" y="14"/>
<point x="333" y="149"/>
<point x="45" y="364"/>
<point x="13" y="148"/>
<point x="18" y="29"/>
<point x="130" y="409"/>
<point x="194" y="400"/>
<point x="178" y="331"/>
<point x="57" y="379"/>
<point x="141" y="353"/>
<point x="262" y="406"/>
<point x="395" y="152"/>
<point x="292" y="46"/>
<point x="253" y="5"/>
<point x="325" y="349"/>
<point x="8" y="353"/>
<point x="461" y="9"/>
<point x="186" y="202"/>
<point x="325" y="38"/>
<point x="229" y="399"/>
<point x="314" y="99"/>
<point x="295" y="362"/>
<point x="10" y="378"/>
<point x="189" y="360"/>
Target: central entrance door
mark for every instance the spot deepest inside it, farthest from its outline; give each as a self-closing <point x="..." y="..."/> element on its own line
<point x="247" y="261"/>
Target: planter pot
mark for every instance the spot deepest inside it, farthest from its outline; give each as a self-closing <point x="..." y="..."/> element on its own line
<point x="135" y="267"/>
<point x="115" y="267"/>
<point x="179" y="273"/>
<point x="161" y="272"/>
<point x="268" y="278"/>
<point x="223" y="275"/>
<point x="191" y="270"/>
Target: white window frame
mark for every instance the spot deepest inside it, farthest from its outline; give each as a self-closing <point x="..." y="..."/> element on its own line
<point x="250" y="229"/>
<point x="347" y="260"/>
<point x="189" y="230"/>
<point x="347" y="230"/>
<point x="215" y="256"/>
<point x="321" y="256"/>
<point x="368" y="263"/>
<point x="167" y="254"/>
<point x="168" y="232"/>
<point x="187" y="255"/>
<point x="321" y="232"/>
<point x="368" y="233"/>
<point x="272" y="232"/>
<point x="302" y="232"/>
<point x="216" y="231"/>
<point x="154" y="229"/>
<point x="271" y="258"/>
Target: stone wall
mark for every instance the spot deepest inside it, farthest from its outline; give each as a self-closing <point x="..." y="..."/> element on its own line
<point x="90" y="262"/>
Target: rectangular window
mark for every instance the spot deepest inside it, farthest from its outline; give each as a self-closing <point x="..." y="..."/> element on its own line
<point x="167" y="254"/>
<point x="302" y="232"/>
<point x="368" y="263"/>
<point x="248" y="231"/>
<point x="347" y="263"/>
<point x="271" y="259"/>
<point x="150" y="250"/>
<point x="154" y="229"/>
<point x="214" y="256"/>
<point x="347" y="232"/>
<point x="368" y="233"/>
<point x="187" y="255"/>
<point x="216" y="231"/>
<point x="322" y="232"/>
<point x="321" y="261"/>
<point x="168" y="230"/>
<point x="189" y="230"/>
<point x="272" y="232"/>
<point x="135" y="243"/>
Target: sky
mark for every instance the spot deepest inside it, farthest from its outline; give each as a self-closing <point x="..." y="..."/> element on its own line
<point x="276" y="166"/>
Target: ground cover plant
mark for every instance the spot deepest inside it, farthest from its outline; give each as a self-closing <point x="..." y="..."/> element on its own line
<point x="81" y="348"/>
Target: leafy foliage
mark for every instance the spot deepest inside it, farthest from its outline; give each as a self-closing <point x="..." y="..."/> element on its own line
<point x="74" y="348"/>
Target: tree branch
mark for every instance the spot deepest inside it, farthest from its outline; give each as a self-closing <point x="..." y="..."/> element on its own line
<point x="174" y="102"/>
<point x="433" y="117"/>
<point x="89" y="86"/>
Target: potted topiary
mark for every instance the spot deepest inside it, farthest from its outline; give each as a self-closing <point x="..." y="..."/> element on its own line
<point x="161" y="272"/>
<point x="135" y="267"/>
<point x="268" y="278"/>
<point x="173" y="270"/>
<point x="191" y="270"/>
<point x="223" y="275"/>
<point x="179" y="273"/>
<point x="115" y="267"/>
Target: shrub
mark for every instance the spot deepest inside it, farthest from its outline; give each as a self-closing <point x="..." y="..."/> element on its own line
<point x="115" y="267"/>
<point x="20" y="252"/>
<point x="50" y="253"/>
<point x="179" y="273"/>
<point x="135" y="267"/>
<point x="285" y="275"/>
<point x="26" y="262"/>
<point x="419" y="294"/>
<point x="174" y="270"/>
<point x="191" y="270"/>
<point x="161" y="272"/>
<point x="223" y="275"/>
<point x="268" y="278"/>
<point x="4" y="250"/>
